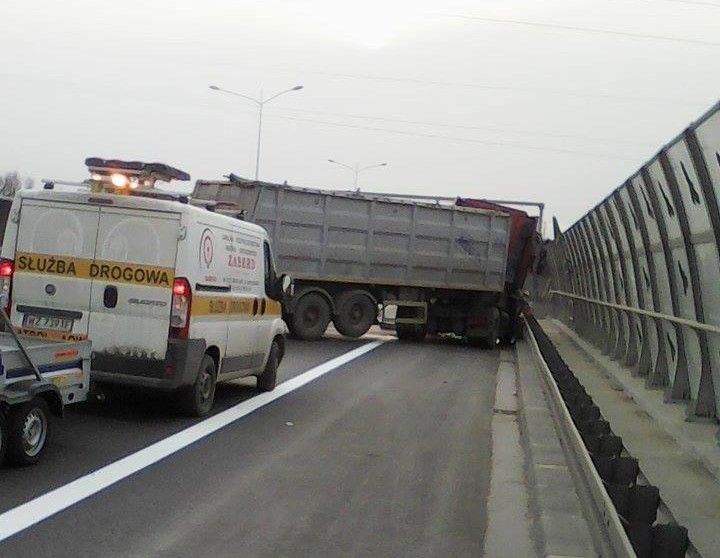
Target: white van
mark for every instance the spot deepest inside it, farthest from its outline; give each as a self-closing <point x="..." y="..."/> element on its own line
<point x="172" y="296"/>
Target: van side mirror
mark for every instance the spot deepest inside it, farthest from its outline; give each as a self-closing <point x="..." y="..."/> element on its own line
<point x="284" y="287"/>
<point x="287" y="285"/>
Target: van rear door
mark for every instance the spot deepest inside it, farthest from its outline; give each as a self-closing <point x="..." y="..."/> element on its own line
<point x="53" y="254"/>
<point x="133" y="275"/>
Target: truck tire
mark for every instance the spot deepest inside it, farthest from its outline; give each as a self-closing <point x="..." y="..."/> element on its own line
<point x="268" y="379"/>
<point x="514" y="331"/>
<point x="356" y="313"/>
<point x="28" y="431"/>
<point x="311" y="316"/>
<point x="196" y="400"/>
<point x="411" y="332"/>
<point x="3" y="437"/>
<point x="486" y="343"/>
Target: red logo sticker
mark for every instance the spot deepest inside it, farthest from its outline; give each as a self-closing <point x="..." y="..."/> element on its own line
<point x="206" y="247"/>
<point x="66" y="353"/>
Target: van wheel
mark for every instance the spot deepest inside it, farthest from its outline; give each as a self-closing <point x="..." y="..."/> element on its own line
<point x="3" y="437"/>
<point x="196" y="400"/>
<point x="311" y="317"/>
<point x="28" y="431"/>
<point x="268" y="379"/>
<point x="356" y="312"/>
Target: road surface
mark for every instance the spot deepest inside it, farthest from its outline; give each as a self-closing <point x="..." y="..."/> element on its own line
<point x="387" y="455"/>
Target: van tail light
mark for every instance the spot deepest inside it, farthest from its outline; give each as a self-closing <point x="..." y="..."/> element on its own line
<point x="180" y="311"/>
<point x="7" y="268"/>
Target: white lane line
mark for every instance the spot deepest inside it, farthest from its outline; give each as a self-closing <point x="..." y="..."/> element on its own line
<point x="28" y="514"/>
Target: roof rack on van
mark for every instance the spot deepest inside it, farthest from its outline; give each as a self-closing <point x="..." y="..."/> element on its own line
<point x="145" y="171"/>
<point x="49" y="183"/>
<point x="152" y="193"/>
<point x="122" y="177"/>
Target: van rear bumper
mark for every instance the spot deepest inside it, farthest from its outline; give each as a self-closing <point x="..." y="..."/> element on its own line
<point x="179" y="368"/>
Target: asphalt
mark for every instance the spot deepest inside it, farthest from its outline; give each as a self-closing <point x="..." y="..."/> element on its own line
<point x="388" y="455"/>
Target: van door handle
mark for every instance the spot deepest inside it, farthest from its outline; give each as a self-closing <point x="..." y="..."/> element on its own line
<point x="263" y="306"/>
<point x="110" y="296"/>
<point x="255" y="307"/>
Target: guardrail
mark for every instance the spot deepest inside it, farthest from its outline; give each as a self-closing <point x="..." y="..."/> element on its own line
<point x="639" y="275"/>
<point x="641" y="312"/>
<point x="602" y="510"/>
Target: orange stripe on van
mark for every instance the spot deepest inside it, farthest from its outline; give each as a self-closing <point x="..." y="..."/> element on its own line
<point x="232" y="305"/>
<point x="104" y="270"/>
<point x="136" y="274"/>
<point x="274" y="308"/>
<point x="46" y="264"/>
<point x="50" y="334"/>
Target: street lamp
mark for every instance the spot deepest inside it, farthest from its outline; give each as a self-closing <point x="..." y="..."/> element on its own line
<point x="260" y="103"/>
<point x="357" y="169"/>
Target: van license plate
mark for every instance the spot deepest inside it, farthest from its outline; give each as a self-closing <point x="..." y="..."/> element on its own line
<point x="48" y="322"/>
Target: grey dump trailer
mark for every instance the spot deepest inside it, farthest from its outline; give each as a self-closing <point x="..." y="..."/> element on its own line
<point x="357" y="259"/>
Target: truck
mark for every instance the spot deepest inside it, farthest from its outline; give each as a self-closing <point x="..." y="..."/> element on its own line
<point x="524" y="251"/>
<point x="358" y="259"/>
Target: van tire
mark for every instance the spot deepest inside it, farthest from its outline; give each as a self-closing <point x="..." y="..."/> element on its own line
<point x="3" y="437"/>
<point x="356" y="313"/>
<point x="268" y="379"/>
<point x="311" y="316"/>
<point x="28" y="432"/>
<point x="196" y="400"/>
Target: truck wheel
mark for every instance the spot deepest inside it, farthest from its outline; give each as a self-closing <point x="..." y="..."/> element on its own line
<point x="196" y="400"/>
<point x="486" y="343"/>
<point x="268" y="379"/>
<point x="356" y="312"/>
<point x="3" y="437"/>
<point x="508" y="340"/>
<point x="514" y="331"/>
<point x="311" y="317"/>
<point x="411" y="332"/>
<point x="28" y="431"/>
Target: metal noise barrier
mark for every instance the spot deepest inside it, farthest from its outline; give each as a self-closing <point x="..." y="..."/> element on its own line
<point x="638" y="275"/>
<point x="636" y="504"/>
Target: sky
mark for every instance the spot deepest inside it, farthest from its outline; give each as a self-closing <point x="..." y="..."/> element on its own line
<point x="556" y="101"/>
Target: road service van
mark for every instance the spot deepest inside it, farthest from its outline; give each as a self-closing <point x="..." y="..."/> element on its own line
<point x="172" y="296"/>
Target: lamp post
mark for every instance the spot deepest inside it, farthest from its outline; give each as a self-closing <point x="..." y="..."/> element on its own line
<point x="357" y="169"/>
<point x="260" y="103"/>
